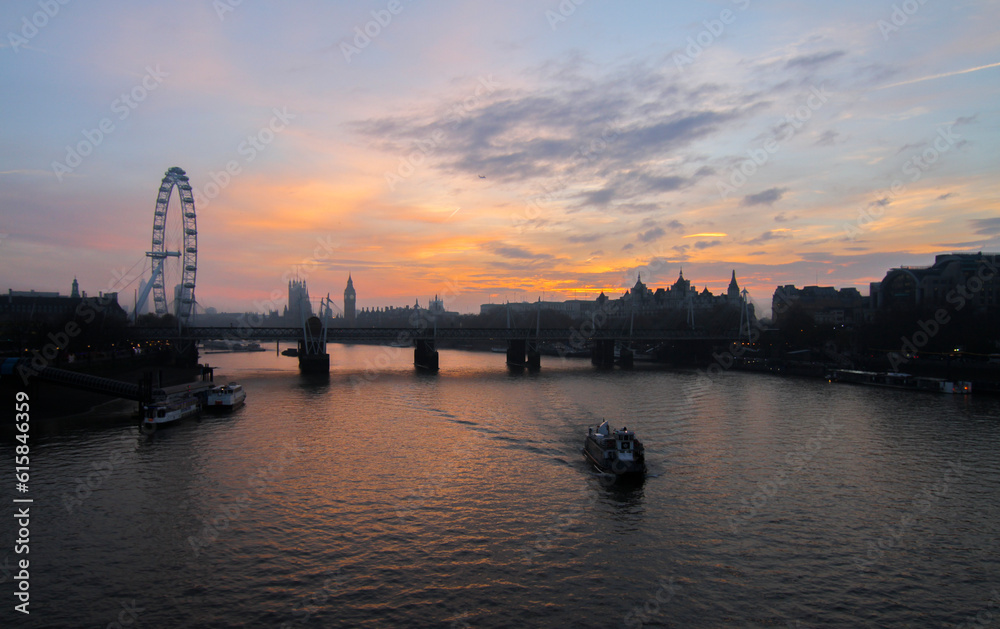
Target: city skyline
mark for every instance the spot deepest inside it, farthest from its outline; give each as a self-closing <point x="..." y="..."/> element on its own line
<point x="492" y="153"/>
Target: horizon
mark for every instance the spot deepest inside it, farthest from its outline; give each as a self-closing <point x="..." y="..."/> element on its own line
<point x="762" y="307"/>
<point x="498" y="152"/>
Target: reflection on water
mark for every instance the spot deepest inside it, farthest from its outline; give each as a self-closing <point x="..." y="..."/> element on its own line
<point x="381" y="496"/>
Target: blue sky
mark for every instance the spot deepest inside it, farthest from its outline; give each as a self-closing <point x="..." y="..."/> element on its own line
<point x="498" y="150"/>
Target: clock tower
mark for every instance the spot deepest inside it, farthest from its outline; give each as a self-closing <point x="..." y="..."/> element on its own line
<point x="350" y="297"/>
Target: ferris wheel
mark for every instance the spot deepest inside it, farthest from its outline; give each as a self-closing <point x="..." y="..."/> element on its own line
<point x="176" y="240"/>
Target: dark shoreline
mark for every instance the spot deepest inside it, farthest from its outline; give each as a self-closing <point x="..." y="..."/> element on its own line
<point x="55" y="409"/>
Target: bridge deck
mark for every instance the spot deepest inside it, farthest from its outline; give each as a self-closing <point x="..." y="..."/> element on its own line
<point x="347" y="335"/>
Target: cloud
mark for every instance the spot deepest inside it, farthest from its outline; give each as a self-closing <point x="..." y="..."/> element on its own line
<point x="814" y="60"/>
<point x="962" y="120"/>
<point x="638" y="208"/>
<point x="705" y="244"/>
<point x="652" y="234"/>
<point x="941" y="75"/>
<point x="828" y="138"/>
<point x="958" y="246"/>
<point x="514" y="252"/>
<point x="946" y="195"/>
<point x="632" y="185"/>
<point x="598" y="198"/>
<point x="875" y="73"/>
<point x="604" y="140"/>
<point x="767" y="197"/>
<point x="663" y="184"/>
<point x="658" y="230"/>
<point x="771" y="234"/>
<point x="910" y="146"/>
<point x="781" y="218"/>
<point x="986" y="226"/>
<point x="581" y="238"/>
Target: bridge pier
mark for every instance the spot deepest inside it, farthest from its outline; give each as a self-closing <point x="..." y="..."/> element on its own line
<point x="626" y="358"/>
<point x="516" y="349"/>
<point x="313" y="363"/>
<point x="603" y="353"/>
<point x="534" y="357"/>
<point x="424" y="354"/>
<point x="312" y="348"/>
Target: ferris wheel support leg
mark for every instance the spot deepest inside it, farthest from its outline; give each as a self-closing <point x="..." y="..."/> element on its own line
<point x="140" y="301"/>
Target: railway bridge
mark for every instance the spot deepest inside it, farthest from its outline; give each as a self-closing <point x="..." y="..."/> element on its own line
<point x="523" y="344"/>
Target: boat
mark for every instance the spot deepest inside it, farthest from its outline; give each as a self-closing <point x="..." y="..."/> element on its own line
<point x="225" y="397"/>
<point x="899" y="380"/>
<point x="217" y="347"/>
<point x="291" y="351"/>
<point x="168" y="409"/>
<point x="615" y="452"/>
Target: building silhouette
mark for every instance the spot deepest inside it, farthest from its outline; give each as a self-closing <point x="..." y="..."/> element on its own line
<point x="825" y="304"/>
<point x="681" y="294"/>
<point x="350" y="303"/>
<point x="29" y="307"/>
<point x="299" y="308"/>
<point x="638" y="300"/>
<point x="969" y="278"/>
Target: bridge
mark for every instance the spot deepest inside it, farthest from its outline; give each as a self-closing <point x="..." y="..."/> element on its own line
<point x="522" y="343"/>
<point x="363" y="335"/>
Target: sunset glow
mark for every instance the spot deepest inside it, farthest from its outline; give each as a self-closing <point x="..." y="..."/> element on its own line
<point x="491" y="152"/>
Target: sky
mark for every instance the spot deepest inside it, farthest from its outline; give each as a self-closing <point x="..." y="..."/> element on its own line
<point x="495" y="151"/>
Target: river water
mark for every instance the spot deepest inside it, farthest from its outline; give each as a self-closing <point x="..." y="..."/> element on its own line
<point x="384" y="497"/>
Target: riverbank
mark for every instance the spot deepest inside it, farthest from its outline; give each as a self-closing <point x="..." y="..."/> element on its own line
<point x="985" y="377"/>
<point x="55" y="408"/>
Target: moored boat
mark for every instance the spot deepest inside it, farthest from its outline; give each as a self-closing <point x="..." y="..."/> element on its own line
<point x="616" y="452"/>
<point x="214" y="347"/>
<point x="899" y="380"/>
<point x="170" y="409"/>
<point x="225" y="397"/>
